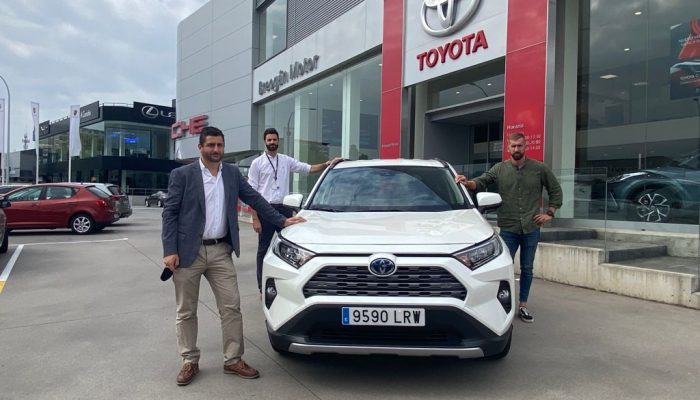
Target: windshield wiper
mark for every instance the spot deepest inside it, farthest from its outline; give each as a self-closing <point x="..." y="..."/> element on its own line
<point x="328" y="209"/>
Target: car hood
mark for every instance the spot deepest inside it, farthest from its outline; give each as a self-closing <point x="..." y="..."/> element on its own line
<point x="464" y="227"/>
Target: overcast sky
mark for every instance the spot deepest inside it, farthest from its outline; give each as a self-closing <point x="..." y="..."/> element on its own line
<point x="59" y="53"/>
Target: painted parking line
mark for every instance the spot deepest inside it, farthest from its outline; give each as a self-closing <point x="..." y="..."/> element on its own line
<point x="8" y="268"/>
<point x="10" y="264"/>
<point x="76" y="242"/>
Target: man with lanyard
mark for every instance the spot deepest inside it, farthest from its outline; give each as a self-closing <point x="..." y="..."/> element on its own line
<point x="269" y="175"/>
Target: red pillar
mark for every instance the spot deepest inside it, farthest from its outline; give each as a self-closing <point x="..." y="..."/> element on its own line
<point x="526" y="68"/>
<point x="392" y="78"/>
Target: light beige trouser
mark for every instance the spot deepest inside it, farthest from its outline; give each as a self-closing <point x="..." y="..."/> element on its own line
<point x="216" y="264"/>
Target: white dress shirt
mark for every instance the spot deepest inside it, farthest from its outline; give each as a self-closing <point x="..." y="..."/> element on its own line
<point x="214" y="197"/>
<point x="270" y="175"/>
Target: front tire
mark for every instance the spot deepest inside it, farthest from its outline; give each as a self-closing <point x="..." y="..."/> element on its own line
<point x="148" y="203"/>
<point x="82" y="224"/>
<point x="160" y="203"/>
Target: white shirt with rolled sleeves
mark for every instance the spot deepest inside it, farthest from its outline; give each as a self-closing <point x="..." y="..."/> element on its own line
<point x="261" y="175"/>
<point x="215" y="226"/>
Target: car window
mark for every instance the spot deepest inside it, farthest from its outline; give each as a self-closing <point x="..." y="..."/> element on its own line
<point x="59" y="192"/>
<point x="97" y="192"/>
<point x="29" y="194"/>
<point x="114" y="189"/>
<point x="395" y="188"/>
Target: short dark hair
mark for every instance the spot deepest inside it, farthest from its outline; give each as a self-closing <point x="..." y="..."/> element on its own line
<point x="516" y="136"/>
<point x="210" y="131"/>
<point x="270" y="131"/>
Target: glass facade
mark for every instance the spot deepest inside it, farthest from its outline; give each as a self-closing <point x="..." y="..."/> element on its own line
<point x="335" y="117"/>
<point x="273" y="29"/>
<point x="638" y="115"/>
<point x="107" y="138"/>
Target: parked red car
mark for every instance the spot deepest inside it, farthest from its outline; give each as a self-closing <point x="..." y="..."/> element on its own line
<point x="81" y="207"/>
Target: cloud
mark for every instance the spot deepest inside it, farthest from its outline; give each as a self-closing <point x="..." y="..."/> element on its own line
<point x="80" y="51"/>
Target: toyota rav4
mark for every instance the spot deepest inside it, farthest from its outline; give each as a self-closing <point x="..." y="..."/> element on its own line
<point x="394" y="258"/>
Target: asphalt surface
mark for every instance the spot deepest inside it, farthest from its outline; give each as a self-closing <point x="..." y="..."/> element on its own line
<point x="86" y="317"/>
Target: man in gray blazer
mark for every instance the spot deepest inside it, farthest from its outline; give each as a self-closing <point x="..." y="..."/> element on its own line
<point x="200" y="231"/>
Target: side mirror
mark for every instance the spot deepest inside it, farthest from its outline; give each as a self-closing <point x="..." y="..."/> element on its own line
<point x="488" y="201"/>
<point x="293" y="201"/>
<point x="5" y="203"/>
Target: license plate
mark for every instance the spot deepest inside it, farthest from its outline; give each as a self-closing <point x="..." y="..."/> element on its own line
<point x="383" y="316"/>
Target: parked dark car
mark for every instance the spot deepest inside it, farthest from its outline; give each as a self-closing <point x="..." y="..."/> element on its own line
<point x="669" y="193"/>
<point x="3" y="226"/>
<point x="81" y="208"/>
<point x="122" y="200"/>
<point x="156" y="199"/>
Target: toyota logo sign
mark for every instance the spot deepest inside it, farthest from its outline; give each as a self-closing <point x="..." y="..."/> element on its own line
<point x="444" y="17"/>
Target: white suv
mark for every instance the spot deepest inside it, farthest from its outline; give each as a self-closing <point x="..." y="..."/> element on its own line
<point x="394" y="259"/>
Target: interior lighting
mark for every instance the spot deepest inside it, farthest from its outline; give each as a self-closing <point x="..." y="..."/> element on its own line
<point x="638" y="13"/>
<point x="608" y="76"/>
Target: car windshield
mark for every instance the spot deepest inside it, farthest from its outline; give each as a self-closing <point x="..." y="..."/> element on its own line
<point x="388" y="188"/>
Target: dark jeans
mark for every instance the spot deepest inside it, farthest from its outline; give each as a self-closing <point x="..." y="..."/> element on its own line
<point x="528" y="246"/>
<point x="265" y="237"/>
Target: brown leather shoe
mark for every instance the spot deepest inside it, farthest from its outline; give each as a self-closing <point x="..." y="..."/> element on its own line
<point x="241" y="369"/>
<point x="187" y="373"/>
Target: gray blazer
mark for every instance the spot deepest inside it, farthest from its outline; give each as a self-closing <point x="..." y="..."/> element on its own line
<point x="184" y="214"/>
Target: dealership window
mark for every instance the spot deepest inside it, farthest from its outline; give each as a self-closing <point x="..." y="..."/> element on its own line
<point x="92" y="138"/>
<point x="134" y="140"/>
<point x="470" y="85"/>
<point x="273" y="29"/>
<point x="335" y="117"/>
<point x="638" y="114"/>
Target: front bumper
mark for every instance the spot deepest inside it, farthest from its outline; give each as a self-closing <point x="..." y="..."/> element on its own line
<point x="448" y="332"/>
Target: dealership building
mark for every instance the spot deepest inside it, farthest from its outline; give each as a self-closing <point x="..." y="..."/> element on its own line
<point x="607" y="94"/>
<point x="125" y="144"/>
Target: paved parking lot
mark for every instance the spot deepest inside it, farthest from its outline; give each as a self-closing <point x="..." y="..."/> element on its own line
<point x="87" y="317"/>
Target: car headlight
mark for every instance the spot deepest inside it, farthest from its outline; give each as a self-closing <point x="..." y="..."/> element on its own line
<point x="478" y="255"/>
<point x="291" y="253"/>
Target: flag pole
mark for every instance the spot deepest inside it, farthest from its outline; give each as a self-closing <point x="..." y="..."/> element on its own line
<point x="6" y="145"/>
<point x="36" y="146"/>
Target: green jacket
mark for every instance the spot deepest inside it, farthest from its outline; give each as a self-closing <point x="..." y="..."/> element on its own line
<point x="521" y="190"/>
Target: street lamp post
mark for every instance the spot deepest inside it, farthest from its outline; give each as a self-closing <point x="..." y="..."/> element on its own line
<point x="6" y="145"/>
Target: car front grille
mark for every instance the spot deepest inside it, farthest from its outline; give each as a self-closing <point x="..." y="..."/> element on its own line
<point x="414" y="281"/>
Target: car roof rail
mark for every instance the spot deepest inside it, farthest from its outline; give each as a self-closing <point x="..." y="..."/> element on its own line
<point x="443" y="162"/>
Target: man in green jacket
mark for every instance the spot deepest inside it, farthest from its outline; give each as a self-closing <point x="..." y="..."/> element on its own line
<point x="520" y="181"/>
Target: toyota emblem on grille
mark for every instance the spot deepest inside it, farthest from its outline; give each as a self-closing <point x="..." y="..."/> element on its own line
<point x="382" y="267"/>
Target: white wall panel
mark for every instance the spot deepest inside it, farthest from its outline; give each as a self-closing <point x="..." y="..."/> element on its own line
<point x="232" y="92"/>
<point x="233" y="44"/>
<point x="195" y="63"/>
<point x="234" y="68"/>
<point x="197" y="83"/>
<point x="196" y="21"/>
<point x="195" y="42"/>
<point x="232" y="116"/>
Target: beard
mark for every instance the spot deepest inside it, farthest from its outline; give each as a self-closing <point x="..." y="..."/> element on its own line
<point x="271" y="147"/>
<point x="212" y="157"/>
<point x="517" y="156"/>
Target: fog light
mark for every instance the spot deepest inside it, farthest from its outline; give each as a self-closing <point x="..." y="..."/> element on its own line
<point x="504" y="297"/>
<point x="270" y="292"/>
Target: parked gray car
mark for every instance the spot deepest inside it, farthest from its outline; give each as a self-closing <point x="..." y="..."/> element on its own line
<point x="123" y="204"/>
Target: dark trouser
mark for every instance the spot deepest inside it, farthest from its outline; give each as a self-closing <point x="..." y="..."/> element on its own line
<point x="265" y="237"/>
<point x="528" y="246"/>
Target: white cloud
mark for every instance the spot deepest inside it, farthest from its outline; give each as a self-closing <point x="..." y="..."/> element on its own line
<point x="79" y="51"/>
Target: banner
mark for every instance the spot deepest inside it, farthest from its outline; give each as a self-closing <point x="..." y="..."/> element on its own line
<point x="35" y="120"/>
<point x="2" y="125"/>
<point x="74" y="132"/>
<point x="685" y="60"/>
<point x="178" y="149"/>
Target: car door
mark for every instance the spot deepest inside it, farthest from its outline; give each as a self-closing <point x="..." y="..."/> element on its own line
<point x="57" y="205"/>
<point x="24" y="211"/>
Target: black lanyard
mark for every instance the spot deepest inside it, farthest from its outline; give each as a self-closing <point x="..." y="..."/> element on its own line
<point x="274" y="169"/>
